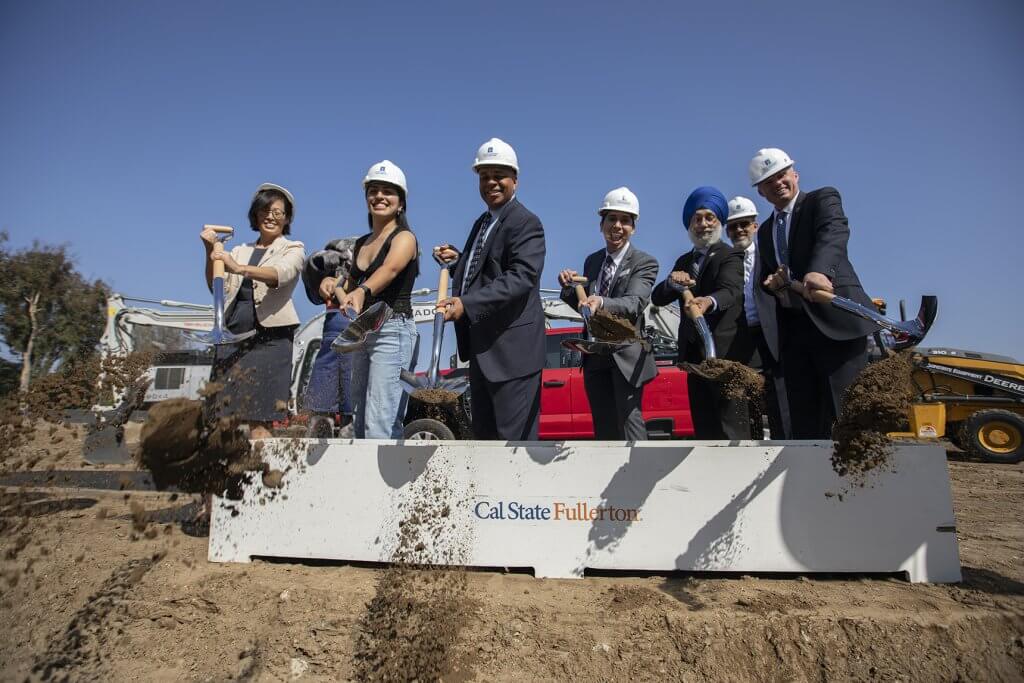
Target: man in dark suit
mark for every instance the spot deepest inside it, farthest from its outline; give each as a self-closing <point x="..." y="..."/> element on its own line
<point x="713" y="271"/>
<point x="619" y="282"/>
<point x="496" y="306"/>
<point x="741" y="227"/>
<point x="820" y="349"/>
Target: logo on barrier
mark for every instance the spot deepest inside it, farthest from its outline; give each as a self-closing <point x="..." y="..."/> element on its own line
<point x="578" y="511"/>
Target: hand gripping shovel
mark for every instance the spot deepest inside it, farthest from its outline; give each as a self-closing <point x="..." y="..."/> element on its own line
<point x="219" y="335"/>
<point x="592" y="345"/>
<point x="694" y="314"/>
<point x="366" y="323"/>
<point x="907" y="333"/>
<point x="433" y="388"/>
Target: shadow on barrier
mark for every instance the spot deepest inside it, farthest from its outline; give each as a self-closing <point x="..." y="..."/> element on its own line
<point x="545" y="453"/>
<point x="400" y="465"/>
<point x="630" y="487"/>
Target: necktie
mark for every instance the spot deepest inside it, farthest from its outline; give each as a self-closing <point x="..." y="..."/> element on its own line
<point x="698" y="261"/>
<point x="478" y="247"/>
<point x="781" y="242"/>
<point x="607" y="271"/>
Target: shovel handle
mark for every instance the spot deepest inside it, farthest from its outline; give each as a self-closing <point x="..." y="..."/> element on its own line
<point x="817" y="295"/>
<point x="222" y="229"/>
<point x="692" y="312"/>
<point x="218" y="265"/>
<point x="442" y="286"/>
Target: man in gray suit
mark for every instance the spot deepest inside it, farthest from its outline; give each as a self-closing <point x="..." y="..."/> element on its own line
<point x="619" y="281"/>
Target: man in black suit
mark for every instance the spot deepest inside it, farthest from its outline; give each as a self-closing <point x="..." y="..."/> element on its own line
<point x="713" y="271"/>
<point x="499" y="321"/>
<point x="821" y="349"/>
<point x="619" y="282"/>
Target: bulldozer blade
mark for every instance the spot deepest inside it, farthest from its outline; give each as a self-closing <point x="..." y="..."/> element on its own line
<point x="368" y="322"/>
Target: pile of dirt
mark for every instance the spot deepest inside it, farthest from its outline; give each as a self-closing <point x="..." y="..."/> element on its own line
<point x="738" y="381"/>
<point x="876" y="403"/>
<point x="611" y="328"/>
<point x="420" y="606"/>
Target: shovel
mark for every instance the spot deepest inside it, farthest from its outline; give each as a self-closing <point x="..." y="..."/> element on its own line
<point x="219" y="336"/>
<point x="694" y="314"/>
<point x="592" y="345"/>
<point x="433" y="388"/>
<point x="366" y="323"/>
<point x="906" y="333"/>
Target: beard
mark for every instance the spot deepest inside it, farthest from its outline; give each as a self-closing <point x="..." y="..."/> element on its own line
<point x="741" y="242"/>
<point x="704" y="242"/>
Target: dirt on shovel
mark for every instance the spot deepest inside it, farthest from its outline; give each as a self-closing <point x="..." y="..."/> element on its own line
<point x="435" y="396"/>
<point x="876" y="403"/>
<point x="738" y="382"/>
<point x="612" y="328"/>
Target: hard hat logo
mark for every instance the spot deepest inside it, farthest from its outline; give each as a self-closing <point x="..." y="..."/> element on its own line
<point x="490" y="150"/>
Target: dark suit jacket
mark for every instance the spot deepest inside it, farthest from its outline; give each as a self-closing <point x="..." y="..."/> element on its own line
<point x="721" y="277"/>
<point x="502" y="330"/>
<point x="818" y="234"/>
<point x="628" y="297"/>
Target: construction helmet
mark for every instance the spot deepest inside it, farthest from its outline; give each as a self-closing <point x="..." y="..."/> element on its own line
<point x="620" y="199"/>
<point x="496" y="152"/>
<point x="741" y="207"/>
<point x="767" y="162"/>
<point x="282" y="190"/>
<point x="386" y="172"/>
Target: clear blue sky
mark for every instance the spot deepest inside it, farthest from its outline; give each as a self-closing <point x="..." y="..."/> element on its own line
<point x="124" y="126"/>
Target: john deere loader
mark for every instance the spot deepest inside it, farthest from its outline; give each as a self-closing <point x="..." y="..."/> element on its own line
<point x="975" y="398"/>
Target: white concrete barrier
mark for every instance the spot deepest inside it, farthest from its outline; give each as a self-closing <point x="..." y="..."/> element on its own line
<point x="562" y="508"/>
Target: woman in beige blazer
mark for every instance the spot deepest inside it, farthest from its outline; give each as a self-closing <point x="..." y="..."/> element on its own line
<point x="260" y="277"/>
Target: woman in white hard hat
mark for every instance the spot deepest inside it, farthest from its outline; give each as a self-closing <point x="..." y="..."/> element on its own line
<point x="258" y="283"/>
<point x="385" y="263"/>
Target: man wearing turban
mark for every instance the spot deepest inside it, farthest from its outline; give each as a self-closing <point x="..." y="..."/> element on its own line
<point x="713" y="271"/>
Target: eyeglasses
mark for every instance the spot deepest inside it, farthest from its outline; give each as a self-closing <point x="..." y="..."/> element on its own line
<point x="740" y="225"/>
<point x="276" y="214"/>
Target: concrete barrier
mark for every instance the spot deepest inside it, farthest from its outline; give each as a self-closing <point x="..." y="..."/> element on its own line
<point x="562" y="508"/>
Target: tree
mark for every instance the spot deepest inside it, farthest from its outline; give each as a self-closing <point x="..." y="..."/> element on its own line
<point x="49" y="313"/>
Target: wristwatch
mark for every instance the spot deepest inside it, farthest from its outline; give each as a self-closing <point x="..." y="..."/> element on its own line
<point x="365" y="289"/>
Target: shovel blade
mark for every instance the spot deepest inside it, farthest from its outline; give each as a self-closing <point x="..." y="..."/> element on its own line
<point x="589" y="346"/>
<point x="218" y="337"/>
<point x="906" y="333"/>
<point x="411" y="381"/>
<point x="368" y="322"/>
<point x="705" y="335"/>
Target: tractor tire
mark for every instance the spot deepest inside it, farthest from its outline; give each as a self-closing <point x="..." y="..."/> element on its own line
<point x="996" y="436"/>
<point x="428" y="429"/>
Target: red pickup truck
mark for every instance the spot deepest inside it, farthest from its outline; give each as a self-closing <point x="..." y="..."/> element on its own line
<point x="564" y="409"/>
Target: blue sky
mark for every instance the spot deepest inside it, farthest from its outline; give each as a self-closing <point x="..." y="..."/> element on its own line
<point x="127" y="125"/>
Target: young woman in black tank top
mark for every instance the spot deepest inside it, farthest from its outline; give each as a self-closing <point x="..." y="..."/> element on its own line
<point x="385" y="264"/>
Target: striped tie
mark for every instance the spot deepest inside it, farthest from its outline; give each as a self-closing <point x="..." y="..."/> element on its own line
<point x="478" y="248"/>
<point x="607" y="271"/>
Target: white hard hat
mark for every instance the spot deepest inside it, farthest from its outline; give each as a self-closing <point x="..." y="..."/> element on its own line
<point x="767" y="162"/>
<point x="496" y="152"/>
<point x="621" y="199"/>
<point x="282" y="190"/>
<point x="741" y="207"/>
<point x="386" y="172"/>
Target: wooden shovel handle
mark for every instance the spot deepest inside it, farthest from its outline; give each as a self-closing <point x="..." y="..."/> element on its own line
<point x="222" y="229"/>
<point x="817" y="295"/>
<point x="442" y="286"/>
<point x="218" y="265"/>
<point x="689" y="307"/>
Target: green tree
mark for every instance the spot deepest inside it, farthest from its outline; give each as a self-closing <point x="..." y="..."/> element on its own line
<point x="49" y="313"/>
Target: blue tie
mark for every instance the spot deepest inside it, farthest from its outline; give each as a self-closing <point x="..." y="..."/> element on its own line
<point x="781" y="243"/>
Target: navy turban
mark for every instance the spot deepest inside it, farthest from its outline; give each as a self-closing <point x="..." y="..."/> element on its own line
<point x="705" y="197"/>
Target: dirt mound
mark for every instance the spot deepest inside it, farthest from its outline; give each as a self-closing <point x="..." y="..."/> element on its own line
<point x="611" y="328"/>
<point x="876" y="403"/>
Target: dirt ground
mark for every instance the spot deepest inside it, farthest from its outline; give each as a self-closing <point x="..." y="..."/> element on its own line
<point x="91" y="591"/>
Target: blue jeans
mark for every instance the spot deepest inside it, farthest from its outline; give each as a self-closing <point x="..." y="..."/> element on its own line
<point x="377" y="395"/>
<point x="329" y="387"/>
